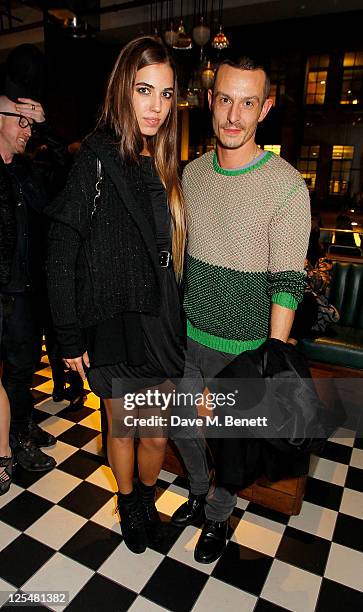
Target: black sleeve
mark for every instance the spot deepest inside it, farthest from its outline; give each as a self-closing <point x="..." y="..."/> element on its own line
<point x="70" y="217"/>
<point x="63" y="248"/>
<point x="7" y="229"/>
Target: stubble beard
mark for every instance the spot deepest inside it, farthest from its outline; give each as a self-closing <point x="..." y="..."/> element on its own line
<point x="232" y="142"/>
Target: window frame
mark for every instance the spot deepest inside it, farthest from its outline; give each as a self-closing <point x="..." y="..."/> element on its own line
<point x="316" y="66"/>
<point x="341" y="167"/>
<point x="353" y="96"/>
<point x="308" y="158"/>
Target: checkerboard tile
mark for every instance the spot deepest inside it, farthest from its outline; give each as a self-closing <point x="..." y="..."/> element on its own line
<point x="291" y="587"/>
<point x="59" y="531"/>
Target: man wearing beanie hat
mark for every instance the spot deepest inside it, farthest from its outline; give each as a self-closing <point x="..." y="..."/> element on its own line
<point x="23" y="188"/>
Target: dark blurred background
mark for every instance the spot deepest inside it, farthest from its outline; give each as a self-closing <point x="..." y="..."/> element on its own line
<point x="313" y="49"/>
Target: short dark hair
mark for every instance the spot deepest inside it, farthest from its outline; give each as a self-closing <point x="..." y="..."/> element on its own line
<point x="247" y="63"/>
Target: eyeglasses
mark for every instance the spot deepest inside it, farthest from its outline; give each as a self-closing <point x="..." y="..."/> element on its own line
<point x="23" y="121"/>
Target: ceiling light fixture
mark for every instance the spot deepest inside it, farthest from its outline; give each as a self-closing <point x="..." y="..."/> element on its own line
<point x="220" y="41"/>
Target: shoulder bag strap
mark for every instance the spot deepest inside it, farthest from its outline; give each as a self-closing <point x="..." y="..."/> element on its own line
<point x="99" y="180"/>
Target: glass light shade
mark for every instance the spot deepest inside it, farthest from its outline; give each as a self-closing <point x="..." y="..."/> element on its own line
<point x="156" y="36"/>
<point x="171" y="36"/>
<point x="207" y="77"/>
<point x="183" y="41"/>
<point x="220" y="41"/>
<point x="201" y="33"/>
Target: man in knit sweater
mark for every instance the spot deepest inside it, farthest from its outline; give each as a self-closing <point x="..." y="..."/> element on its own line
<point x="249" y="225"/>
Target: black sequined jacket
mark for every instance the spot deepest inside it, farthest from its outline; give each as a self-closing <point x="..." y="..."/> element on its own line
<point x="26" y="184"/>
<point x="106" y="263"/>
<point x="7" y="225"/>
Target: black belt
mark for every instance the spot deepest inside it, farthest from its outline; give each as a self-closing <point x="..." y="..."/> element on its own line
<point x="165" y="259"/>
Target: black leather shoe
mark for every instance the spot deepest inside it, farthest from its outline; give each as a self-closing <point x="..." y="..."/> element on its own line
<point x="29" y="456"/>
<point x="40" y="437"/>
<point x="132" y="526"/>
<point x="58" y="394"/>
<point x="212" y="541"/>
<point x="75" y="398"/>
<point x="190" y="513"/>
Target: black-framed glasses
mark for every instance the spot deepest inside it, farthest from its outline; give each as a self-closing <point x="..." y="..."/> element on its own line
<point x="23" y="121"/>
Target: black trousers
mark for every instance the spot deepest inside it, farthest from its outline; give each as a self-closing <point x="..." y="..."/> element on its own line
<point x="19" y="349"/>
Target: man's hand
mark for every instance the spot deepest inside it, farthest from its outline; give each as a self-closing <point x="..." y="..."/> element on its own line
<point x="76" y="364"/>
<point x="31" y="109"/>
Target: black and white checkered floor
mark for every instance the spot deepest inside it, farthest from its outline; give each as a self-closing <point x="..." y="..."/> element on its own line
<point x="59" y="532"/>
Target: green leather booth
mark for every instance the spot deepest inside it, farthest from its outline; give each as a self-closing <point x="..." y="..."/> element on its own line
<point x="343" y="343"/>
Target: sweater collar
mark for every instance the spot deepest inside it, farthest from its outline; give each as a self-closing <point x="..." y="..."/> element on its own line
<point x="238" y="171"/>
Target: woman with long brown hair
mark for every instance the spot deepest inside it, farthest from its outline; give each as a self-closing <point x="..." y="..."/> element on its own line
<point x="115" y="259"/>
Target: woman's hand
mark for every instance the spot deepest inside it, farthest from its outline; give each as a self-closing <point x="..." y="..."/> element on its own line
<point x="76" y="364"/>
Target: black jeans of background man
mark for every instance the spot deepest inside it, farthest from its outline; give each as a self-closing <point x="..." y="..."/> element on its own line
<point x="19" y="354"/>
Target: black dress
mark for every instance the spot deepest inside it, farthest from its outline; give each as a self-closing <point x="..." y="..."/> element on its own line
<point x="163" y="334"/>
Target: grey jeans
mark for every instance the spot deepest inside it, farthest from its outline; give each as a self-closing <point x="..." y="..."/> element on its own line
<point x="202" y="363"/>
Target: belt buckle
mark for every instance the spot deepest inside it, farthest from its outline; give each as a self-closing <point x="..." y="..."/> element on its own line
<point x="164" y="259"/>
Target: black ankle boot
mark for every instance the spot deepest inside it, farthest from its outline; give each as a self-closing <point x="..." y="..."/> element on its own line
<point x="152" y="521"/>
<point x="7" y="463"/>
<point x="191" y="512"/>
<point x="132" y="522"/>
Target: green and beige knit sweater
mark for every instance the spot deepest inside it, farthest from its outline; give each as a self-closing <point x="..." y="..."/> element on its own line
<point x="248" y="237"/>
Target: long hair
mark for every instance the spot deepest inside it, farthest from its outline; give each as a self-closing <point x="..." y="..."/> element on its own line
<point x="118" y="114"/>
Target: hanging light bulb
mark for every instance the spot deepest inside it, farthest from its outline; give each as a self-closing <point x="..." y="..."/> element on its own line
<point x="220" y="41"/>
<point x="156" y="36"/>
<point x="207" y="76"/>
<point x="183" y="41"/>
<point x="171" y="36"/>
<point x="201" y="33"/>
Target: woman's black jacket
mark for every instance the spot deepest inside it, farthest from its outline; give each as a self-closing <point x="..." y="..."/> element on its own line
<point x="106" y="263"/>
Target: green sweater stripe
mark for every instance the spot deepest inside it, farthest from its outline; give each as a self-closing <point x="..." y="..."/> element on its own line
<point x="285" y="299"/>
<point x="234" y="347"/>
<point x="238" y="171"/>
